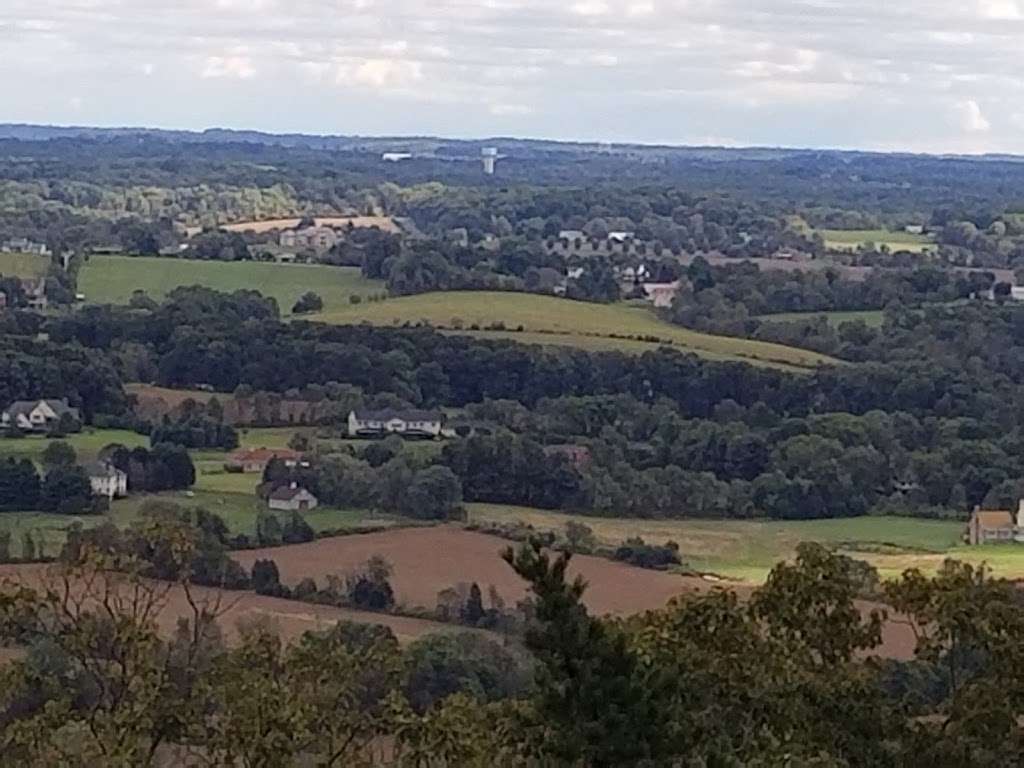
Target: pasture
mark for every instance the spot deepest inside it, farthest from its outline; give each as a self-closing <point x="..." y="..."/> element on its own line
<point x="87" y="443"/>
<point x="238" y="510"/>
<point x="745" y="550"/>
<point x="23" y="265"/>
<point x="566" y="323"/>
<point x="113" y="279"/>
<point x="851" y="239"/>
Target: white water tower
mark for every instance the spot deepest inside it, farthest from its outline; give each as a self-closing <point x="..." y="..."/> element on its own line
<point x="489" y="156"/>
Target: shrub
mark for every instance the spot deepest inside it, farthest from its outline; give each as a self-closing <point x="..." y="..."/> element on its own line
<point x="643" y="555"/>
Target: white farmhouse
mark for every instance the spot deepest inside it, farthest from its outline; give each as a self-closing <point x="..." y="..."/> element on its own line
<point x="107" y="480"/>
<point x="392" y="422"/>
<point x="35" y="415"/>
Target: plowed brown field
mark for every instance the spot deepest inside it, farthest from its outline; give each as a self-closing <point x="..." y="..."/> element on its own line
<point x="291" y="617"/>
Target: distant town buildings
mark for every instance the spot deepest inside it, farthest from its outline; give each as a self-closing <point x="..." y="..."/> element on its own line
<point x="319" y="239"/>
<point x="661" y="295"/>
<point x="24" y="245"/>
<point x="35" y="292"/>
<point x="489" y="156"/>
<point x="395" y="157"/>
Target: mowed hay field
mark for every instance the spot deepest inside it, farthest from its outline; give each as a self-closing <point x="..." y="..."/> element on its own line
<point x="113" y="279"/>
<point x="566" y="323"/>
<point x="429" y="560"/>
<point x="23" y="265"/>
<point x="290" y="617"/>
<point x="385" y="223"/>
<point x="745" y="550"/>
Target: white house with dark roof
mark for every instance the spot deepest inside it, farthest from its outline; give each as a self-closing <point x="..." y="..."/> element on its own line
<point x="411" y="423"/>
<point x="107" y="480"/>
<point x="36" y="415"/>
<point x="292" y="499"/>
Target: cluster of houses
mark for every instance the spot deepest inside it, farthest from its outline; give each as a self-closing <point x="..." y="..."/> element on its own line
<point x="24" y="245"/>
<point x="572" y="235"/>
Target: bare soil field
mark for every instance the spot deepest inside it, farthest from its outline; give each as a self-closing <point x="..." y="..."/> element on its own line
<point x="428" y="560"/>
<point x="291" y="617"/>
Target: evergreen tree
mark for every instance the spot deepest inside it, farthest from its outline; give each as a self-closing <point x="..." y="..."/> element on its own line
<point x="473" y="610"/>
<point x="600" y="707"/>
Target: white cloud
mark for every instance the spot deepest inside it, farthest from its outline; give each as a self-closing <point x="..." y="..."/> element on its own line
<point x="1006" y="10"/>
<point x="505" y="110"/>
<point x="590" y="8"/>
<point x="381" y="73"/>
<point x="238" y="67"/>
<point x="971" y="118"/>
<point x="640" y="9"/>
<point x="757" y="71"/>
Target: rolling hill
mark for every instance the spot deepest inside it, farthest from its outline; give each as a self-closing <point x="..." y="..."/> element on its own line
<point x="549" y="320"/>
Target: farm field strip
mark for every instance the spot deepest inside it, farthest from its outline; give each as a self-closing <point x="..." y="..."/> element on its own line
<point x="569" y="320"/>
<point x="385" y="223"/>
<point x="113" y="279"/>
<point x="745" y="550"/>
<point x="291" y="617"/>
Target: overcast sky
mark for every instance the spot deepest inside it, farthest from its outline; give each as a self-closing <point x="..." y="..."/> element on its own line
<point x="921" y="75"/>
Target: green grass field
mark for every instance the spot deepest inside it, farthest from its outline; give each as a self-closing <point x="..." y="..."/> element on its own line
<point x="87" y="444"/>
<point x="849" y="239"/>
<point x="112" y="279"/>
<point x="570" y="323"/>
<point x="873" y="318"/>
<point x="239" y="511"/>
<point x="745" y="550"/>
<point x="23" y="265"/>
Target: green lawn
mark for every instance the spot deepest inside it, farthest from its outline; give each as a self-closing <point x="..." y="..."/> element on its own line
<point x="572" y="323"/>
<point x="87" y="444"/>
<point x="112" y="279"/>
<point x="23" y="265"/>
<point x="239" y="512"/>
<point x="873" y="318"/>
<point x="746" y="549"/>
<point x="849" y="239"/>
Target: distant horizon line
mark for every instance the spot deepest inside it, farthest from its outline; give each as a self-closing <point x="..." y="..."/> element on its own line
<point x="598" y="143"/>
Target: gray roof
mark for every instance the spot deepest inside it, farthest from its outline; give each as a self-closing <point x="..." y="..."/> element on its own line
<point x="101" y="469"/>
<point x="25" y="407"/>
<point x="390" y="413"/>
<point x="287" y="494"/>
